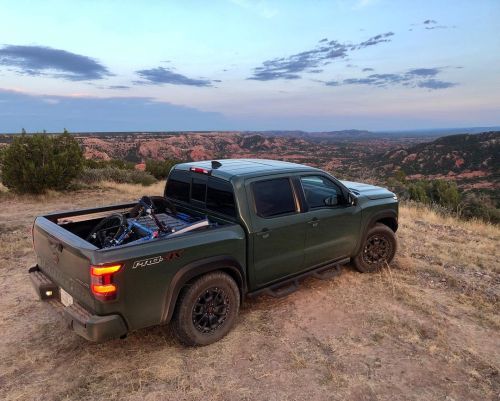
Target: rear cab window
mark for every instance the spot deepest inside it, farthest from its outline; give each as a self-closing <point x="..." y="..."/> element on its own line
<point x="178" y="186"/>
<point x="274" y="197"/>
<point x="206" y="192"/>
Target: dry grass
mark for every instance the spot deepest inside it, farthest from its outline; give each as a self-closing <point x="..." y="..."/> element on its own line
<point x="425" y="328"/>
<point x="133" y="190"/>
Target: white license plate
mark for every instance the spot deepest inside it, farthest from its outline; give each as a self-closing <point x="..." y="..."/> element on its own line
<point x="66" y="299"/>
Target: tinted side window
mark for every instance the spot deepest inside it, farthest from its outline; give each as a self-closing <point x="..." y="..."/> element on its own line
<point x="273" y="197"/>
<point x="178" y="186"/>
<point x="318" y="188"/>
<point x="220" y="197"/>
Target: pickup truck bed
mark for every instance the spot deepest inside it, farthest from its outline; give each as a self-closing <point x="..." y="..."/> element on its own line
<point x="64" y="258"/>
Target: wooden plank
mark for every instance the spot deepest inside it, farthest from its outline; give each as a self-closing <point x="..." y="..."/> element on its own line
<point x="89" y="216"/>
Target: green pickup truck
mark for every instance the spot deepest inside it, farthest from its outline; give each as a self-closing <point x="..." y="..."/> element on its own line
<point x="223" y="231"/>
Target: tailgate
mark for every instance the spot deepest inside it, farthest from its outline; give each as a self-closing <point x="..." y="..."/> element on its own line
<point x="65" y="258"/>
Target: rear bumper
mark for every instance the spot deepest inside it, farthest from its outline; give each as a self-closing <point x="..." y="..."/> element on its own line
<point x="82" y="322"/>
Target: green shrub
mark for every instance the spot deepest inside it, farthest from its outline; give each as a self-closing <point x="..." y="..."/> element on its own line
<point x="481" y="206"/>
<point x="96" y="175"/>
<point x="418" y="192"/>
<point x="35" y="163"/>
<point x="440" y="192"/>
<point x="445" y="193"/>
<point x="160" y="168"/>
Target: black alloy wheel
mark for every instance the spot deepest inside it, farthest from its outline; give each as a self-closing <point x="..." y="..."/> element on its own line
<point x="210" y="310"/>
<point x="377" y="250"/>
<point x="206" y="309"/>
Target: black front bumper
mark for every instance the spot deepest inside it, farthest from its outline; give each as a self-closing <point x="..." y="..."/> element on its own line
<point x="82" y="322"/>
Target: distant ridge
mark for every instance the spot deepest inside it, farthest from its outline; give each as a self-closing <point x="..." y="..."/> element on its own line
<point x="455" y="155"/>
<point x="344" y="134"/>
<point x="339" y="134"/>
<point x="437" y="131"/>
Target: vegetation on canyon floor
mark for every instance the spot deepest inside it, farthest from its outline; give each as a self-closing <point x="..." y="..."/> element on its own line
<point x="41" y="162"/>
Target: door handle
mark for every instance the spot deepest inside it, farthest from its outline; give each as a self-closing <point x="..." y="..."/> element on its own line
<point x="314" y="222"/>
<point x="264" y="233"/>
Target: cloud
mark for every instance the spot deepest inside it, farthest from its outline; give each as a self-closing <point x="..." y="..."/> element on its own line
<point x="161" y="75"/>
<point x="375" y="40"/>
<point x="438" y="27"/>
<point x="269" y="75"/>
<point x="368" y="69"/>
<point x="435" y="84"/>
<point x="430" y="24"/>
<point x="41" y="60"/>
<point x="53" y="113"/>
<point x="310" y="61"/>
<point x="118" y="87"/>
<point x="424" y="72"/>
<point x="413" y="78"/>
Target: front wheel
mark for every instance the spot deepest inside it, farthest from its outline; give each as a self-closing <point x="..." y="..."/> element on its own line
<point x="207" y="309"/>
<point x="378" y="249"/>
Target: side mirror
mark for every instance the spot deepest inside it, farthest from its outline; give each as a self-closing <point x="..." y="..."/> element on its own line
<point x="331" y="201"/>
<point x="353" y="201"/>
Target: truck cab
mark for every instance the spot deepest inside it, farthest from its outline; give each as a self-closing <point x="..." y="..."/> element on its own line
<point x="289" y="226"/>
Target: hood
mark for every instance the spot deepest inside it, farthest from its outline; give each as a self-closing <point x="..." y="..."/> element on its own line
<point x="370" y="191"/>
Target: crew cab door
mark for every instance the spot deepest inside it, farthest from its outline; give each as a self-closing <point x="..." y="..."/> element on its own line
<point x="333" y="223"/>
<point x="277" y="234"/>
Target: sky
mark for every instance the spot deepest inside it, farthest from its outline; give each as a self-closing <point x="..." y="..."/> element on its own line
<point x="109" y="65"/>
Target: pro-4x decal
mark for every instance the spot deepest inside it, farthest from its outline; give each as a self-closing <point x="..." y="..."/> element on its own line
<point x="157" y="259"/>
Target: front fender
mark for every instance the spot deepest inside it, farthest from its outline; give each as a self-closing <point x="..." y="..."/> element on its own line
<point x="371" y="221"/>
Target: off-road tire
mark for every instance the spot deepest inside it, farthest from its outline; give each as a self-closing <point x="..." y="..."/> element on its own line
<point x="381" y="239"/>
<point x="195" y="302"/>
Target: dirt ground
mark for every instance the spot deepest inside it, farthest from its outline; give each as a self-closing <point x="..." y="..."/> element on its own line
<point x="427" y="328"/>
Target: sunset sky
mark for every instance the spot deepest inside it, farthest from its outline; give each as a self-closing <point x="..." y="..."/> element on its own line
<point x="248" y="65"/>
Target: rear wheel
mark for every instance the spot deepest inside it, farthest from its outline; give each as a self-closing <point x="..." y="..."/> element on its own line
<point x="378" y="249"/>
<point x="207" y="309"/>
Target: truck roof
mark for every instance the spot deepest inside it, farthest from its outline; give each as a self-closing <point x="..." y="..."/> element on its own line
<point x="230" y="168"/>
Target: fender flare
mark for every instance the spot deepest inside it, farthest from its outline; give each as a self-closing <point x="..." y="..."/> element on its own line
<point x="198" y="268"/>
<point x="371" y="222"/>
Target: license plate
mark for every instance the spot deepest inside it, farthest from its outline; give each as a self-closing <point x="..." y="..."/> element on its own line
<point x="66" y="299"/>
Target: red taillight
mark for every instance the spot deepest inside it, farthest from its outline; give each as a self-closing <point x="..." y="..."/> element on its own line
<point x="101" y="281"/>
<point x="200" y="170"/>
<point x="105" y="289"/>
